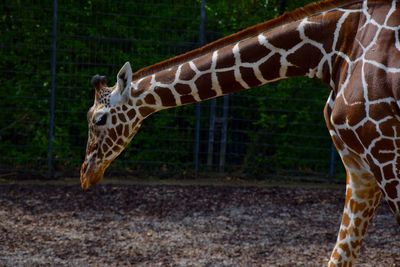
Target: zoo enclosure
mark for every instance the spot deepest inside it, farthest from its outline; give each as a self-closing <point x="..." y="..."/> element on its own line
<point x="49" y="52"/>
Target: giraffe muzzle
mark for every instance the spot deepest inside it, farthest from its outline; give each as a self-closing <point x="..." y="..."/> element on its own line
<point x="90" y="175"/>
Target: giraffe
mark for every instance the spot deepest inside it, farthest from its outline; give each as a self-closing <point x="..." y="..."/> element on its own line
<point x="351" y="46"/>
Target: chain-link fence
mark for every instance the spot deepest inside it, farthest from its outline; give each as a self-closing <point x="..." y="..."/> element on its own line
<point x="49" y="52"/>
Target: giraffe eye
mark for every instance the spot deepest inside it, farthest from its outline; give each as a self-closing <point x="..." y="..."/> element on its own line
<point x="102" y="120"/>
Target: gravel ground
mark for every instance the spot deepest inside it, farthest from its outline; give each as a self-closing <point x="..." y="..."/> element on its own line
<point x="169" y="225"/>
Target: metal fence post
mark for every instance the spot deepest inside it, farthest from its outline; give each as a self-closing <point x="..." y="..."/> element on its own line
<point x="211" y="132"/>
<point x="52" y="93"/>
<point x="197" y="140"/>
<point x="202" y="40"/>
<point x="224" y="130"/>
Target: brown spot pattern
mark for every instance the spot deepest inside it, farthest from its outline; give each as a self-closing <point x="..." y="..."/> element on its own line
<point x="228" y="82"/>
<point x="166" y="96"/>
<point x="252" y="51"/>
<point x="183" y="89"/>
<point x="226" y="58"/>
<point x="186" y="72"/>
<point x="149" y="99"/>
<point x="145" y="111"/>
<point x="249" y="77"/>
<point x="203" y="83"/>
<point x="131" y="114"/>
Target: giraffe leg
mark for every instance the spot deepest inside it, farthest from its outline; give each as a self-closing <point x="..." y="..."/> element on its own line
<point x="362" y="198"/>
<point x="390" y="186"/>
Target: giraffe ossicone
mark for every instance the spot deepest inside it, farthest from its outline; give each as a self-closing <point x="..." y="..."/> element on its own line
<point x="352" y="46"/>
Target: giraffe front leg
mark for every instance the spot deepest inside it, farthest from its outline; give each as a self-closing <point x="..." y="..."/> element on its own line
<point x="362" y="198"/>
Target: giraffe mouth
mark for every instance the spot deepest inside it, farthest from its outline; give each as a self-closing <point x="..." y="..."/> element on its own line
<point x="90" y="175"/>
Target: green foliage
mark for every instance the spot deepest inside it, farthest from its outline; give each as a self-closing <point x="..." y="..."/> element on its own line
<point x="272" y="129"/>
<point x="286" y="132"/>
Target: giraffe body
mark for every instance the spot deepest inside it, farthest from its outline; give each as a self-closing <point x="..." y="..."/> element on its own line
<point x="352" y="46"/>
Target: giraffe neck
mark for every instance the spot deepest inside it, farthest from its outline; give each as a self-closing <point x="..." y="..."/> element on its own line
<point x="305" y="47"/>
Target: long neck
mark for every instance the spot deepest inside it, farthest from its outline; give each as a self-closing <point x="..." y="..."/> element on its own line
<point x="306" y="47"/>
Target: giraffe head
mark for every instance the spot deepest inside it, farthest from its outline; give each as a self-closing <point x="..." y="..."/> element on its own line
<point x="112" y="121"/>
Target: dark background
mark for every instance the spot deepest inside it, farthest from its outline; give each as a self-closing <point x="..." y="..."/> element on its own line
<point x="274" y="131"/>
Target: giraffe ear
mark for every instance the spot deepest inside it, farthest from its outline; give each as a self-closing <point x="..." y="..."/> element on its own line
<point x="124" y="78"/>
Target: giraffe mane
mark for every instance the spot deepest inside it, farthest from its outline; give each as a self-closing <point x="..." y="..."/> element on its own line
<point x="298" y="14"/>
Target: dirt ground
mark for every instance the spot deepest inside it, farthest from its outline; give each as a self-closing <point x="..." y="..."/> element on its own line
<point x="170" y="225"/>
